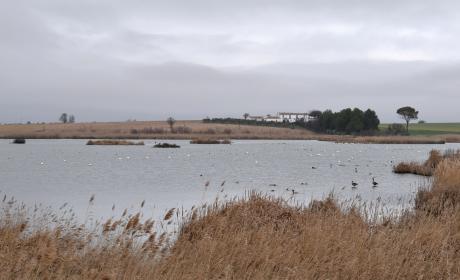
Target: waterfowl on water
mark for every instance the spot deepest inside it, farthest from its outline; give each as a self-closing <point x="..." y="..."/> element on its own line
<point x="374" y="183"/>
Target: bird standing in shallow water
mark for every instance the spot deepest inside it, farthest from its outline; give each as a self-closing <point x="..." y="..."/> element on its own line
<point x="354" y="184"/>
<point x="374" y="183"/>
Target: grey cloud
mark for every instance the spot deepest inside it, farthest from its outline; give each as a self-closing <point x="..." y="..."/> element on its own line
<point x="110" y="60"/>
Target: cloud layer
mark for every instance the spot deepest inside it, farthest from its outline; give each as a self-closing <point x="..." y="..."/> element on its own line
<point x="111" y="60"/>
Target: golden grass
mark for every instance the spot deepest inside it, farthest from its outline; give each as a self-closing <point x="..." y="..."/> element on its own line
<point x="428" y="167"/>
<point x="252" y="238"/>
<point x="111" y="142"/>
<point x="197" y="129"/>
<point x="149" y="130"/>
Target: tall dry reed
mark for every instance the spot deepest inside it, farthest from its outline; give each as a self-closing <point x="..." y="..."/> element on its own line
<point x="428" y="167"/>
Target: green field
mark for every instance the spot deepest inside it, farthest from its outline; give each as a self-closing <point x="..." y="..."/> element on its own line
<point x="430" y="128"/>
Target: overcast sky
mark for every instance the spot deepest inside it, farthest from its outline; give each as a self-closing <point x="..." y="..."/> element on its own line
<point x="117" y="60"/>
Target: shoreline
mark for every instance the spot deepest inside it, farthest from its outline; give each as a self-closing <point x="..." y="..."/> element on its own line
<point x="187" y="130"/>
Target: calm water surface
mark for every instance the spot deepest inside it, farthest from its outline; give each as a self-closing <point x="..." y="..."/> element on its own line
<point x="54" y="172"/>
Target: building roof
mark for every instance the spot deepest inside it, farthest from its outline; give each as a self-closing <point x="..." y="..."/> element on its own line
<point x="292" y="113"/>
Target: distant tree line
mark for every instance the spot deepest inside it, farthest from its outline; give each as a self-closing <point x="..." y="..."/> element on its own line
<point x="347" y="121"/>
<point x="253" y="122"/>
<point x="65" y="118"/>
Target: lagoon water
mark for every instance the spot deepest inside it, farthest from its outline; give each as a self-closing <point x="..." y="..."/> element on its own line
<point x="54" y="172"/>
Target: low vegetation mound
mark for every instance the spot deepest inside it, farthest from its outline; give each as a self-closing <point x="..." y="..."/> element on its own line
<point x="428" y="167"/>
<point x="256" y="237"/>
<point x="114" y="142"/>
<point x="19" y="141"/>
<point x="209" y="141"/>
<point x="166" y="145"/>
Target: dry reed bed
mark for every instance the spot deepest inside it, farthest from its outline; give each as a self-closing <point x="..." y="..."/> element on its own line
<point x="148" y="130"/>
<point x="210" y="141"/>
<point x="428" y="167"/>
<point x="253" y="238"/>
<point x="111" y="142"/>
<point x="196" y="129"/>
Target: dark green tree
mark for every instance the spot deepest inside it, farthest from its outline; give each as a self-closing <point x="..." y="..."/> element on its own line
<point x="356" y="121"/>
<point x="171" y="121"/>
<point x="315" y="114"/>
<point x="371" y="120"/>
<point x="326" y="120"/>
<point x="407" y="113"/>
<point x="63" y="118"/>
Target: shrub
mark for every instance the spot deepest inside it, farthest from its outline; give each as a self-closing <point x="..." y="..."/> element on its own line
<point x="211" y="131"/>
<point x="183" y="130"/>
<point x="396" y="129"/>
<point x="166" y="145"/>
<point x="227" y="131"/>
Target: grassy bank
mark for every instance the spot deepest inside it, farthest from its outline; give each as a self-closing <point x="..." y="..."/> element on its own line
<point x="253" y="238"/>
<point x="189" y="130"/>
<point x="149" y="130"/>
<point x="420" y="129"/>
<point x="387" y="139"/>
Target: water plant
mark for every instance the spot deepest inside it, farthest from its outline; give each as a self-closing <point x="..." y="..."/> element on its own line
<point x="166" y="145"/>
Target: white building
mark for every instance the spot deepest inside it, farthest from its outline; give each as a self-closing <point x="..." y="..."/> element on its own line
<point x="270" y="118"/>
<point x="289" y="117"/>
<point x="293" y="117"/>
<point x="256" y="118"/>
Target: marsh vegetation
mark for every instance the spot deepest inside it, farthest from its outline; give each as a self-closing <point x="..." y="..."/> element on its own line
<point x="257" y="237"/>
<point x="112" y="142"/>
<point x="166" y="145"/>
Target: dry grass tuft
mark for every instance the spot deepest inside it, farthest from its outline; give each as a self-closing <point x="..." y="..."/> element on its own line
<point x="445" y="192"/>
<point x="429" y="166"/>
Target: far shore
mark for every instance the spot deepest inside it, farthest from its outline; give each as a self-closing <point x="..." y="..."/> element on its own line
<point x="187" y="130"/>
